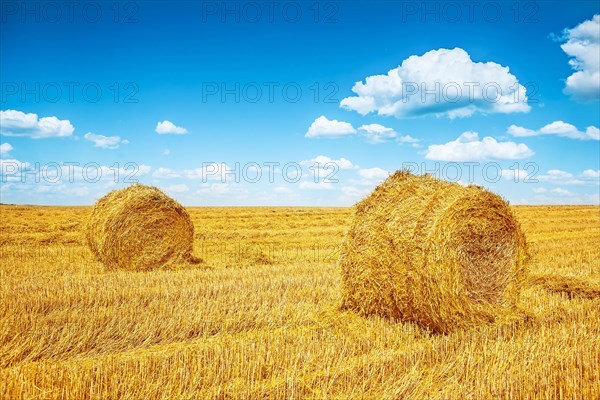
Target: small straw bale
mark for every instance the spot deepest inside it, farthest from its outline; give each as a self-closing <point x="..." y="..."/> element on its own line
<point x="140" y="228"/>
<point x="439" y="254"/>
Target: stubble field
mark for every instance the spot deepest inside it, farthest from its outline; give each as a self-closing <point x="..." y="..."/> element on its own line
<point x="260" y="319"/>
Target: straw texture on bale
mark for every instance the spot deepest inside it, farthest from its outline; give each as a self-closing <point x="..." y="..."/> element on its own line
<point x="432" y="252"/>
<point x="140" y="228"/>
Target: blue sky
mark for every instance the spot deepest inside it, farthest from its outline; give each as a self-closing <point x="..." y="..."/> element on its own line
<point x="349" y="91"/>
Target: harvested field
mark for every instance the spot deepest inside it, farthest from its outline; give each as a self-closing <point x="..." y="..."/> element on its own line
<point x="261" y="318"/>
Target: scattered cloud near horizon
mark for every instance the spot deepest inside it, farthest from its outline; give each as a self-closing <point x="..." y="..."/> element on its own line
<point x="557" y="128"/>
<point x="468" y="147"/>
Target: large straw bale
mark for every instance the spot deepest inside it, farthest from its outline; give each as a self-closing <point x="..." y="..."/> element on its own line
<point x="436" y="253"/>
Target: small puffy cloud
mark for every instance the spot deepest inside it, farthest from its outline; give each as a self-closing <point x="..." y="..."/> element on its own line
<point x="326" y="168"/>
<point x="583" y="45"/>
<point x="516" y="175"/>
<point x="364" y="182"/>
<point x="369" y="177"/>
<point x="105" y="142"/>
<point x="17" y="123"/>
<point x="373" y="174"/>
<point x="591" y="174"/>
<point x="166" y="152"/>
<point x="164" y="173"/>
<point x="562" y="192"/>
<point x="468" y="147"/>
<point x="180" y="188"/>
<point x="557" y="173"/>
<point x="440" y="82"/>
<point x="326" y="128"/>
<point x="519" y="131"/>
<point x="5" y="148"/>
<point x="143" y="169"/>
<point x="168" y="128"/>
<point x="408" y="139"/>
<point x="321" y="161"/>
<point x="557" y="128"/>
<point x="375" y="133"/>
<point x="351" y="194"/>
<point x="209" y="171"/>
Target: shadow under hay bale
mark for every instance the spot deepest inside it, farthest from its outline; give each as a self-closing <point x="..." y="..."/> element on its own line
<point x="431" y="252"/>
<point x="140" y="228"/>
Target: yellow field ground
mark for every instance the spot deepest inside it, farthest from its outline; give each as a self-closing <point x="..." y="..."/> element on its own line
<point x="260" y="319"/>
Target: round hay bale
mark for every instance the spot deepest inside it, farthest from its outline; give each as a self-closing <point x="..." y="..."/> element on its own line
<point x="431" y="252"/>
<point x="140" y="228"/>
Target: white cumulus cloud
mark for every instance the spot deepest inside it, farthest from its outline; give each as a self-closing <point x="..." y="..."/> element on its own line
<point x="583" y="45"/>
<point x="17" y="123"/>
<point x="105" y="142"/>
<point x="326" y="128"/>
<point x="468" y="147"/>
<point x="557" y="128"/>
<point x="441" y="82"/>
<point x="168" y="128"/>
